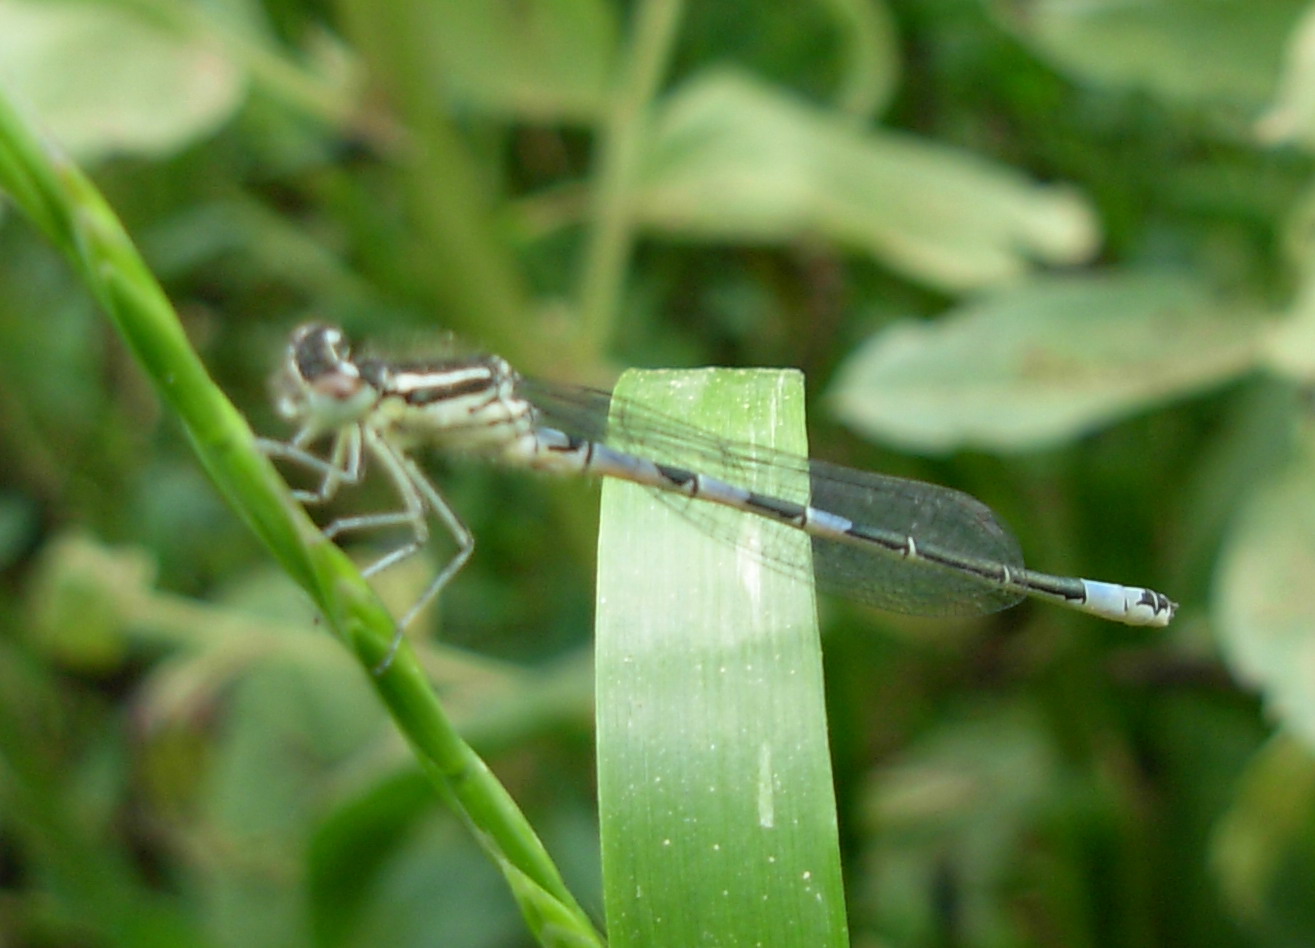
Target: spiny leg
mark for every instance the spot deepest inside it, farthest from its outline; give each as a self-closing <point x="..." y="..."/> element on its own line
<point x="459" y="531"/>
<point x="342" y="466"/>
<point x="378" y="521"/>
<point x="344" y="463"/>
<point x="418" y="494"/>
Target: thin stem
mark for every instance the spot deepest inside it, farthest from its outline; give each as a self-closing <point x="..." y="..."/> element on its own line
<point x="64" y="203"/>
<point x="457" y="253"/>
<point x="621" y="145"/>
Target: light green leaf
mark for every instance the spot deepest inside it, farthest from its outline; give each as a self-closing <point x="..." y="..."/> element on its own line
<point x="104" y="81"/>
<point x="1042" y="364"/>
<point x="1194" y="50"/>
<point x="1266" y="840"/>
<point x="1290" y="347"/>
<point x="540" y="60"/>
<point x="715" y="795"/>
<point x="1291" y="116"/>
<point x="733" y="159"/>
<point x="1265" y="601"/>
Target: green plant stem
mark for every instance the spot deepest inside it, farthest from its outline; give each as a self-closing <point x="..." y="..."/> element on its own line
<point x="620" y="148"/>
<point x="457" y="251"/>
<point x="68" y="208"/>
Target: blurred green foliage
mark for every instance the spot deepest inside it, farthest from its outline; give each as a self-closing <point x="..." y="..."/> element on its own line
<point x="1058" y="255"/>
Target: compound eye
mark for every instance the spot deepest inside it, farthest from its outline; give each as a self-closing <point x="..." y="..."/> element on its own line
<point x="318" y="351"/>
<point x="336" y="344"/>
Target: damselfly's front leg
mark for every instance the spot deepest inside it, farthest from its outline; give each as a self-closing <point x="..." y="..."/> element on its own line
<point x="342" y="466"/>
<point x="345" y="465"/>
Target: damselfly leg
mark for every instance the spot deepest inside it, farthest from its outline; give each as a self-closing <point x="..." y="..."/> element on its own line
<point x="345" y="465"/>
<point x="342" y="467"/>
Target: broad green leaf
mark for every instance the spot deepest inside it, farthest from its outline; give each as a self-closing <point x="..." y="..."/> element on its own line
<point x="1194" y="50"/>
<point x="1265" y="844"/>
<point x="1290" y="346"/>
<point x="735" y="160"/>
<point x="715" y="798"/>
<point x="1265" y="593"/>
<point x="1289" y="349"/>
<point x="104" y="81"/>
<point x="1042" y="364"/>
<point x="1291" y="115"/>
<point x="82" y="595"/>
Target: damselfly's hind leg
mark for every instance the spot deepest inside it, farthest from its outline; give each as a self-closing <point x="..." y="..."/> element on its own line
<point x="419" y="497"/>
<point x="342" y="466"/>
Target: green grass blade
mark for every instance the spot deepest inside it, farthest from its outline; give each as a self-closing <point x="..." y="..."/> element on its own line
<point x="66" y="206"/>
<point x="716" y="802"/>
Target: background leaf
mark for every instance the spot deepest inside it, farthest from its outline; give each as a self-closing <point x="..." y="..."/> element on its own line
<point x="736" y="160"/>
<point x="1264" y="597"/>
<point x="107" y="81"/>
<point x="1043" y="364"/>
<point x="1163" y="46"/>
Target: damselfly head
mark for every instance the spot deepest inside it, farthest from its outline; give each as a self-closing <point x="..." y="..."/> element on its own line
<point x="319" y="385"/>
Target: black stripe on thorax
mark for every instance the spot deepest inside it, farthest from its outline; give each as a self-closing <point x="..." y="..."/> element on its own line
<point x="439" y="391"/>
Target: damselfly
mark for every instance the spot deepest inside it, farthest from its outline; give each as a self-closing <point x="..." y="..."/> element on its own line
<point x="898" y="544"/>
